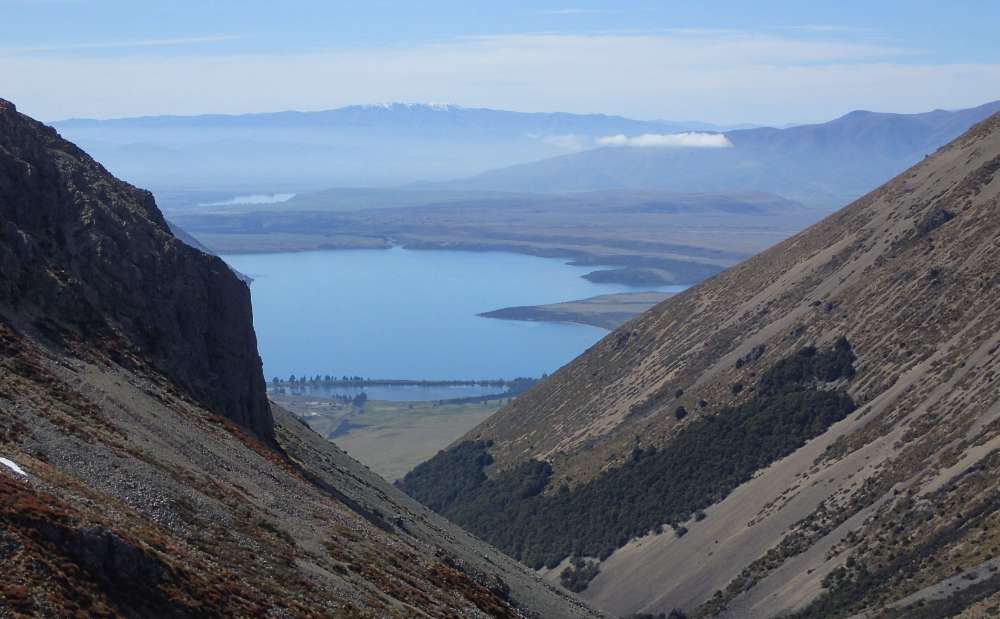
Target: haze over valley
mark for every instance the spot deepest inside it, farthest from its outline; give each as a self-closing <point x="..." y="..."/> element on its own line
<point x="631" y="310"/>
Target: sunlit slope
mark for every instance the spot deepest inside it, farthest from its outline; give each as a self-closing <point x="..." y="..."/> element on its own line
<point x="776" y="507"/>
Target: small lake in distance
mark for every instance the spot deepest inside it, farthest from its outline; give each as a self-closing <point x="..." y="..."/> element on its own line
<point x="412" y="314"/>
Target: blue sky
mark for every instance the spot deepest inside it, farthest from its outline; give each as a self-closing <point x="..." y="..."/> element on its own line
<point x="719" y="61"/>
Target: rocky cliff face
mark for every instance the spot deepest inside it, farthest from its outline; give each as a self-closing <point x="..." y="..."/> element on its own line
<point x="86" y="259"/>
<point x="814" y="431"/>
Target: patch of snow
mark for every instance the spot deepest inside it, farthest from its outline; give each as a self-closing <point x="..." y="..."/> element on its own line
<point x="401" y="105"/>
<point x="13" y="466"/>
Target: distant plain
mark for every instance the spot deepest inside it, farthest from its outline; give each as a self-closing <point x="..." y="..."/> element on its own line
<point x="389" y="437"/>
<point x="628" y="237"/>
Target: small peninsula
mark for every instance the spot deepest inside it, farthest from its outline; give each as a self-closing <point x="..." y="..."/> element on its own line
<point x="606" y="311"/>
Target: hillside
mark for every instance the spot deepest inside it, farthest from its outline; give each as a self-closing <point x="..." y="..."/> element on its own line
<point x="823" y="165"/>
<point x="143" y="473"/>
<point x="814" y="431"/>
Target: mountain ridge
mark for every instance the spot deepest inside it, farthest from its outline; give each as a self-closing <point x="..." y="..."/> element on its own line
<point x="817" y="164"/>
<point x="360" y="111"/>
<point x="315" y="150"/>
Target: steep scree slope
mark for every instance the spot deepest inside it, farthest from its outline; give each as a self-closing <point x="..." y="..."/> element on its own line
<point x="874" y="511"/>
<point x="126" y="488"/>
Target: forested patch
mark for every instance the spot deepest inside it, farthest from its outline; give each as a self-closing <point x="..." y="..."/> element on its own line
<point x="792" y="403"/>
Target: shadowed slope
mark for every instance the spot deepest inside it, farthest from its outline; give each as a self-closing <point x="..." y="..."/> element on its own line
<point x="143" y="472"/>
<point x="86" y="256"/>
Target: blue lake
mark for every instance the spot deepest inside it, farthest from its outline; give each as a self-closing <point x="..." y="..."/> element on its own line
<point x="413" y="314"/>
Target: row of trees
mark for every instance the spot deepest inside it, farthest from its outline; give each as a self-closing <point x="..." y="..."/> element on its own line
<point x="357" y="400"/>
<point x="328" y="380"/>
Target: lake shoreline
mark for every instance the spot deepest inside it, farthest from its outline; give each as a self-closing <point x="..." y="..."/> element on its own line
<point x="324" y="389"/>
<point x="389" y="382"/>
<point x="611" y="268"/>
<point x="607" y="311"/>
<point x="406" y="315"/>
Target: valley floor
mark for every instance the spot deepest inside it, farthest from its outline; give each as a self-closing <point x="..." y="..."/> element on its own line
<point x="389" y="437"/>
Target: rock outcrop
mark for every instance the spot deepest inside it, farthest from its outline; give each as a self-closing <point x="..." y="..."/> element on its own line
<point x="90" y="259"/>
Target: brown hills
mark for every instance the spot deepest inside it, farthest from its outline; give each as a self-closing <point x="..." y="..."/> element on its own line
<point x="819" y="425"/>
<point x="143" y="472"/>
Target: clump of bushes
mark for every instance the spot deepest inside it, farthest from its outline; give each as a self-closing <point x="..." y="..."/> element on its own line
<point x="755" y="353"/>
<point x="452" y="474"/>
<point x="578" y="575"/>
<point x="810" y="367"/>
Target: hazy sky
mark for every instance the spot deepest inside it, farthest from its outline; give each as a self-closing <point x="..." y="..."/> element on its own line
<point x="719" y="61"/>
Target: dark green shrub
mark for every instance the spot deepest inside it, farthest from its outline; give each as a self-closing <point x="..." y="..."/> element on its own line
<point x="705" y="461"/>
<point x="578" y="575"/>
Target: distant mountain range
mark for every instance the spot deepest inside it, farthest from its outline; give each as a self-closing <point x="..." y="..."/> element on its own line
<point x="413" y="118"/>
<point x="824" y="164"/>
<point x="357" y="145"/>
<point x="427" y="145"/>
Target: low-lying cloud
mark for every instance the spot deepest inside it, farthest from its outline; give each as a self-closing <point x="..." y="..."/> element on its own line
<point x="668" y="140"/>
<point x="257" y="198"/>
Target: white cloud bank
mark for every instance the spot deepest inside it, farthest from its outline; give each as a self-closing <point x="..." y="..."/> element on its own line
<point x="257" y="198"/>
<point x="668" y="140"/>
